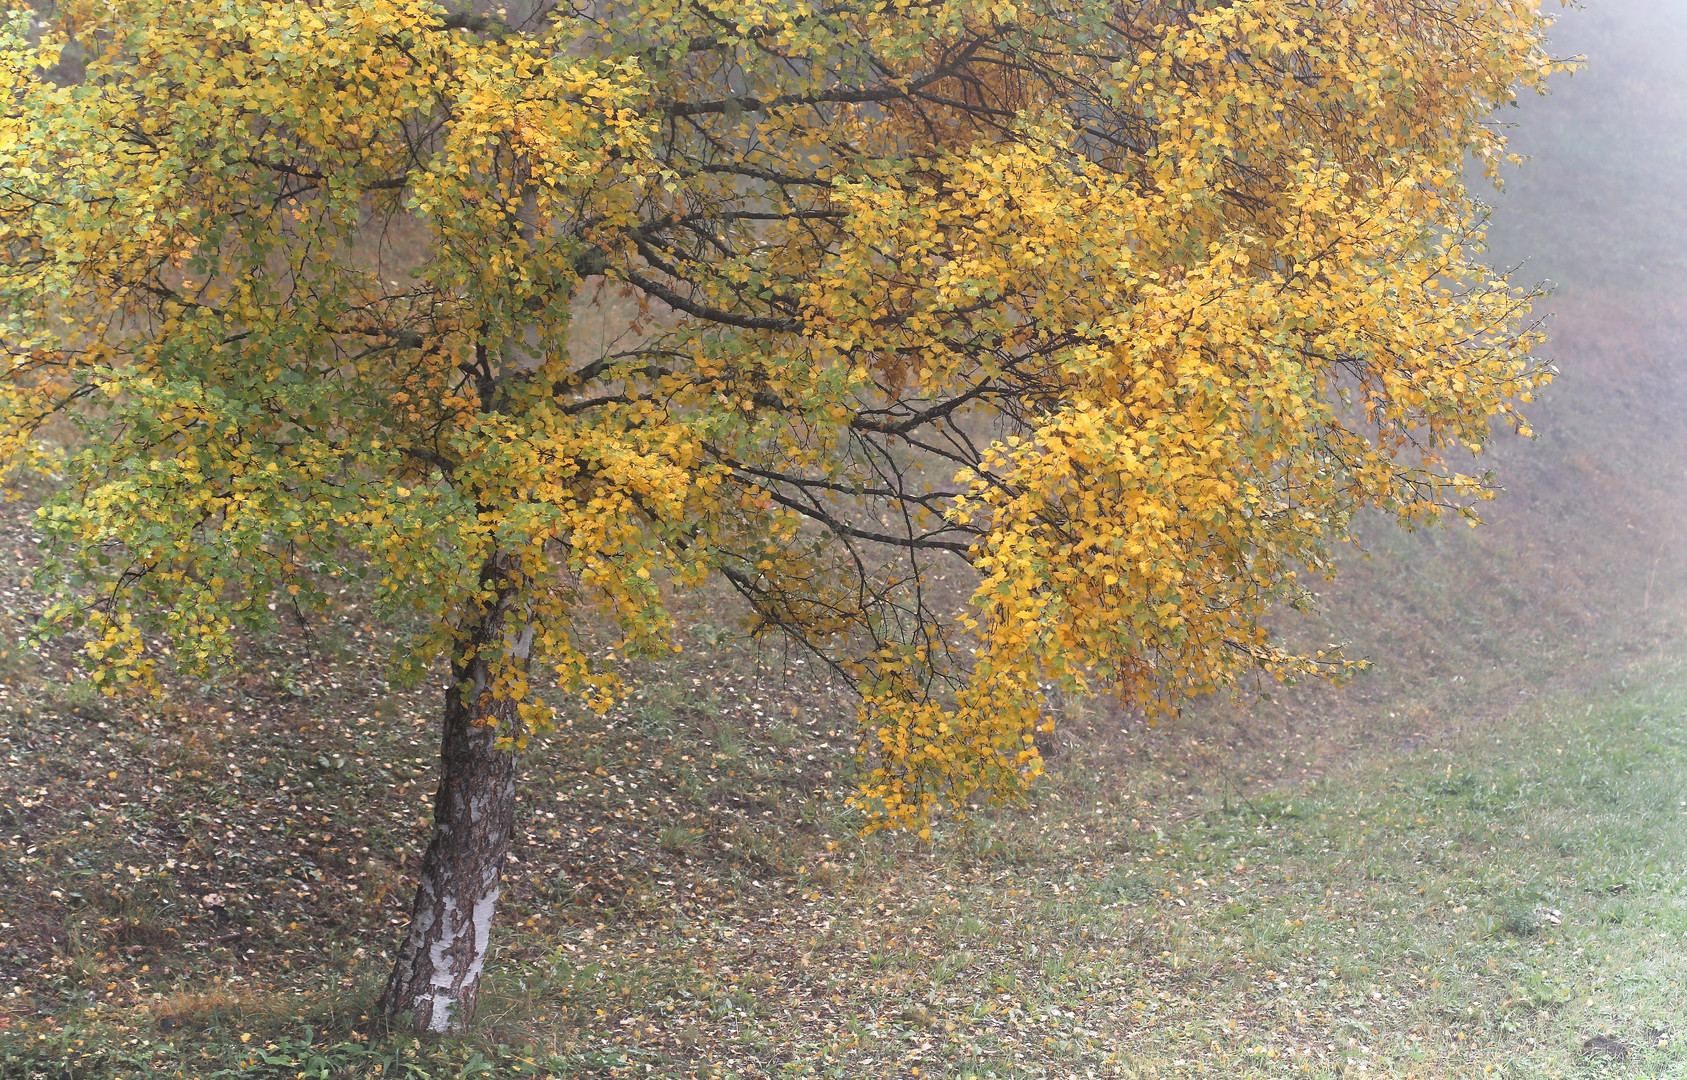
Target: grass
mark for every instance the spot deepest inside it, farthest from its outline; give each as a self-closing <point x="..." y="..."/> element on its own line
<point x="1473" y="902"/>
<point x="1468" y="865"/>
<point x="1485" y="905"/>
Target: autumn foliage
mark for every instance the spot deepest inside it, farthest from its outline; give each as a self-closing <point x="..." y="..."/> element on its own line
<point x="1151" y="296"/>
<point x="1127" y="307"/>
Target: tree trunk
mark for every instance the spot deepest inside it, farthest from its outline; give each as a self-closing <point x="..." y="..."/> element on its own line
<point x="437" y="977"/>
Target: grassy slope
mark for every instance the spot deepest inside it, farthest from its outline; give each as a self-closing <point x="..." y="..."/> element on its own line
<point x="1465" y="865"/>
<point x="1484" y="900"/>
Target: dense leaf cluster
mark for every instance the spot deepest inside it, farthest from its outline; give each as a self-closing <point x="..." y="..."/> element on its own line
<point x="1127" y="307"/>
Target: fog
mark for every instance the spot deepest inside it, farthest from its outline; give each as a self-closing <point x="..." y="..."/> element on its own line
<point x="1599" y="205"/>
<point x="1578" y="577"/>
<point x="1589" y="531"/>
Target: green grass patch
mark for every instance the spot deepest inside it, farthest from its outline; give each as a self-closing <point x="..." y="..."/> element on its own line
<point x="1502" y="901"/>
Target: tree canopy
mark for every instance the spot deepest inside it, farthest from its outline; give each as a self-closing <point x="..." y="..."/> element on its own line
<point x="1129" y="307"/>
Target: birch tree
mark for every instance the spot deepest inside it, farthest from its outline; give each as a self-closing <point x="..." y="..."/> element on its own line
<point x="1124" y="308"/>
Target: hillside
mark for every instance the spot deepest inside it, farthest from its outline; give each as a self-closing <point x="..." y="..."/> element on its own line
<point x="1465" y="864"/>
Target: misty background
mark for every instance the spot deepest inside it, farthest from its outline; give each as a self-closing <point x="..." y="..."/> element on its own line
<point x="1578" y="578"/>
